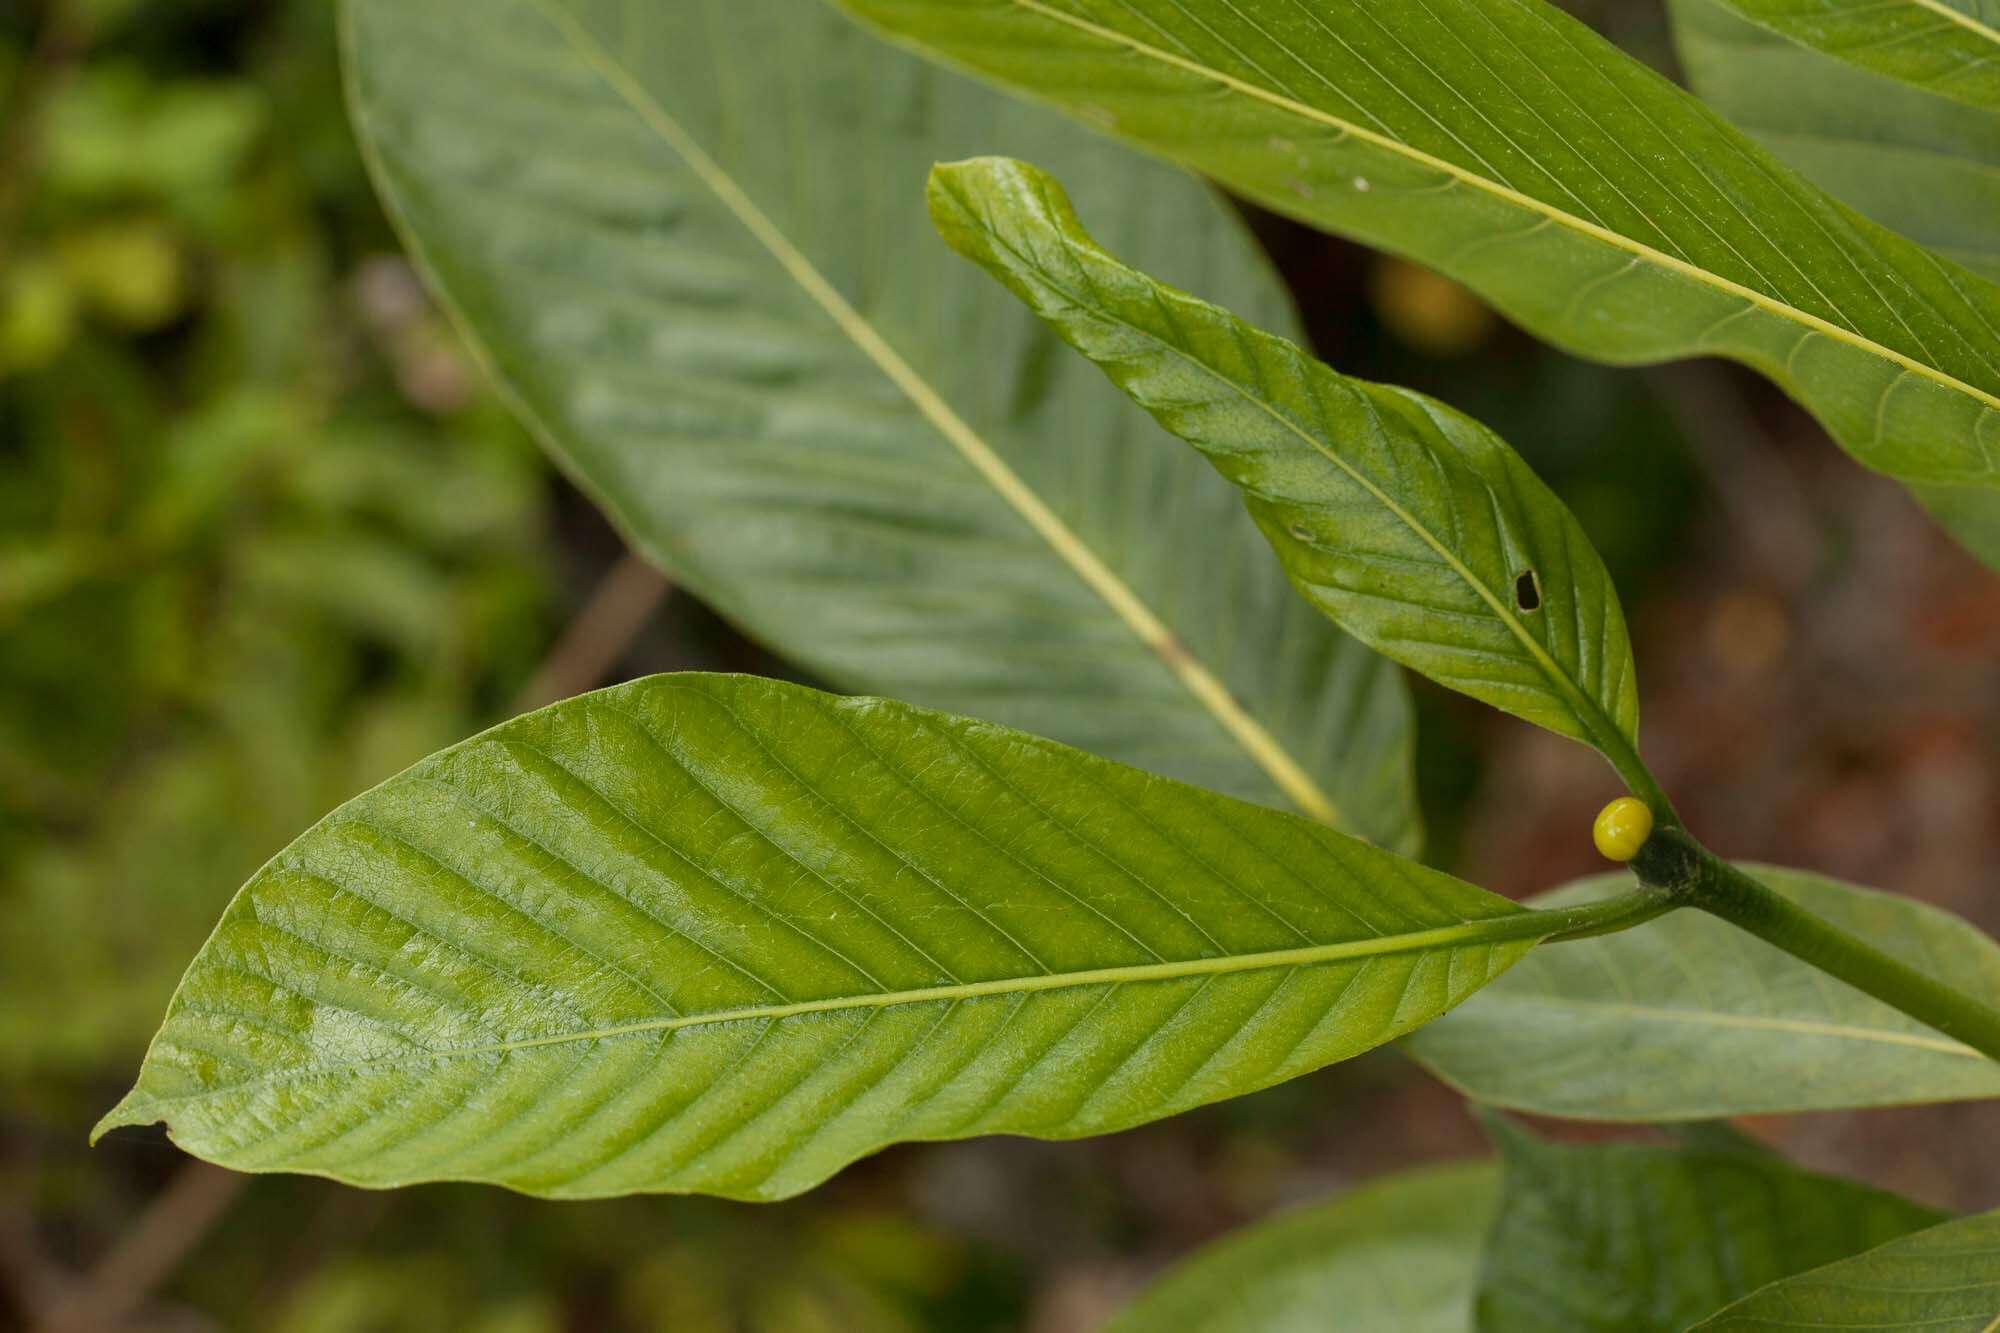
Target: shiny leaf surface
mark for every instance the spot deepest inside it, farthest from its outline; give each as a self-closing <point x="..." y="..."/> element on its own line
<point x="1401" y="1253"/>
<point x="1579" y="1241"/>
<point x="1509" y="146"/>
<point x="690" y="241"/>
<point x="1688" y="1017"/>
<point x="1412" y="525"/>
<point x="722" y="934"/>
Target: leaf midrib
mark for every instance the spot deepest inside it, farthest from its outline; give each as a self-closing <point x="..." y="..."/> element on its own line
<point x="1583" y="226"/>
<point x="1603" y="730"/>
<point x="1512" y="927"/>
<point x="1752" y="1022"/>
<point x="1961" y="18"/>
<point x="1285" y="771"/>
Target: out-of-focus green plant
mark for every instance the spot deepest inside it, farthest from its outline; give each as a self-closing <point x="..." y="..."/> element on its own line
<point x="258" y="546"/>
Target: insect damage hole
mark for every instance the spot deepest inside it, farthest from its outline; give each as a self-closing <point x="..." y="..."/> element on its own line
<point x="1528" y="590"/>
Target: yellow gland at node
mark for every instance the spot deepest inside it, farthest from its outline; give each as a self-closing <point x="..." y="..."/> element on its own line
<point x="1622" y="828"/>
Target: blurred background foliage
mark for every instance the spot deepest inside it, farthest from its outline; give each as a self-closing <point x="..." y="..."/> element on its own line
<point x="266" y="537"/>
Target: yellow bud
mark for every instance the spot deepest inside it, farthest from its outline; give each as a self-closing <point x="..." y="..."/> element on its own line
<point x="1622" y="829"/>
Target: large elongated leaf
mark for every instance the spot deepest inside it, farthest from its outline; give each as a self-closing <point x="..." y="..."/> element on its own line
<point x="1687" y="1017"/>
<point x="723" y="934"/>
<point x="1507" y="145"/>
<point x="1945" y="1279"/>
<point x="1414" y="526"/>
<point x="1401" y="1254"/>
<point x="1948" y="47"/>
<point x="1924" y="166"/>
<point x="1579" y="1243"/>
<point x="690" y="239"/>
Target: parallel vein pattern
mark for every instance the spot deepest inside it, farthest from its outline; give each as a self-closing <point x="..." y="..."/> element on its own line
<point x="1924" y="166"/>
<point x="690" y="241"/>
<point x="722" y="934"/>
<point x="1688" y="1018"/>
<point x="1943" y="1280"/>
<point x="1947" y="47"/>
<point x="1412" y="525"/>
<point x="1511" y="147"/>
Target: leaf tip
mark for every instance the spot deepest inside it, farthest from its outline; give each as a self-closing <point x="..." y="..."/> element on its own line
<point x="132" y="1109"/>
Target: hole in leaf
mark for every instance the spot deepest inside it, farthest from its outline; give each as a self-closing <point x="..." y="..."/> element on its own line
<point x="1528" y="590"/>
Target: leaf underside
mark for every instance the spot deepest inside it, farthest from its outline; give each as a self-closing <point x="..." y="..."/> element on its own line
<point x="1400" y="1254"/>
<point x="689" y="241"/>
<point x="1577" y="1242"/>
<point x="721" y="934"/>
<point x="1942" y="1280"/>
<point x="1509" y="146"/>
<point x="1688" y="1017"/>
<point x="1412" y="525"/>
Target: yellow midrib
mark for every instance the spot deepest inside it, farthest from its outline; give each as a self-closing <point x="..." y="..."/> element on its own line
<point x="1262" y="747"/>
<point x="1749" y="1022"/>
<point x="1605" y="732"/>
<point x="1486" y="185"/>
<point x="1519" y="927"/>
<point x="1961" y="18"/>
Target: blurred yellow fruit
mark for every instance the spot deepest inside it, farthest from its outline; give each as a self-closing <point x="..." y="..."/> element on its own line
<point x="1427" y="310"/>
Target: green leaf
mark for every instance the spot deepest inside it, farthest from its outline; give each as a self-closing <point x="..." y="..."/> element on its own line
<point x="1948" y="47"/>
<point x="689" y="240"/>
<point x="1412" y="525"/>
<point x="1578" y="1240"/>
<point x="1924" y="166"/>
<point x="1507" y="145"/>
<point x="723" y="934"/>
<point x="1400" y="1254"/>
<point x="1942" y="1280"/>
<point x="1688" y="1017"/>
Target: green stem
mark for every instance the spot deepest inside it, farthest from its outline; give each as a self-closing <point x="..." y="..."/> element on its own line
<point x="1691" y="875"/>
<point x="1608" y="917"/>
<point x="1640" y="782"/>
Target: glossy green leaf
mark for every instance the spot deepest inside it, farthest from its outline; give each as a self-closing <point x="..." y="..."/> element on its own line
<point x="1507" y="145"/>
<point x="1947" y="47"/>
<point x="1688" y="1017"/>
<point x="1578" y="1243"/>
<point x="1942" y="1280"/>
<point x="723" y="934"/>
<point x="1924" y="166"/>
<point x="690" y="240"/>
<point x="1401" y="1254"/>
<point x="1412" y="525"/>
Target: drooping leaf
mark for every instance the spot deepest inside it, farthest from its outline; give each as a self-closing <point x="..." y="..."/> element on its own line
<point x="1924" y="166"/>
<point x="1510" y="147"/>
<point x="1400" y="1254"/>
<point x="1688" y="1017"/>
<point x="1580" y="1240"/>
<point x="1415" y="527"/>
<point x="1945" y="1279"/>
<point x="689" y="239"/>
<point x="722" y="934"/>
<point x="1947" y="47"/>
